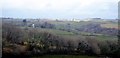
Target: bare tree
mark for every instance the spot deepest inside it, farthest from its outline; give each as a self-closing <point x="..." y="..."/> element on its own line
<point x="11" y="33"/>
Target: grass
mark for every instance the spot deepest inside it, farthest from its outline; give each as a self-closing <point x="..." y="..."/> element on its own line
<point x="103" y="38"/>
<point x="57" y="32"/>
<point x="62" y="25"/>
<point x="71" y="35"/>
<point x="110" y="25"/>
<point x="104" y="24"/>
<point x="64" y="56"/>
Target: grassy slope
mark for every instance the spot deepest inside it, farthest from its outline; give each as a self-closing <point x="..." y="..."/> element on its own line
<point x="57" y="32"/>
<point x="110" y="25"/>
<point x="82" y="34"/>
<point x="104" y="24"/>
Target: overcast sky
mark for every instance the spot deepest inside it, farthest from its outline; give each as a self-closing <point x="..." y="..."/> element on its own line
<point x="67" y="9"/>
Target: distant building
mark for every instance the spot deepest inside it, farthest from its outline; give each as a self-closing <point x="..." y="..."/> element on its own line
<point x="33" y="25"/>
<point x="76" y="20"/>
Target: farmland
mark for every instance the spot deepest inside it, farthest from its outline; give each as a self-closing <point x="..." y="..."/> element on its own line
<point x="56" y="37"/>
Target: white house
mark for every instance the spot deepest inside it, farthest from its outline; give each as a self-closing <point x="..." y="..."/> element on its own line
<point x="33" y="25"/>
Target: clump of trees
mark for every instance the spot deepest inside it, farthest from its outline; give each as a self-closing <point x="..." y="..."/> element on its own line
<point x="110" y="48"/>
<point x="11" y="34"/>
<point x="12" y="38"/>
<point x="43" y="25"/>
<point x="47" y="25"/>
<point x="96" y="28"/>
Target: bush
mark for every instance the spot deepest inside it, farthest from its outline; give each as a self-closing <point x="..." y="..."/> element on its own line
<point x="11" y="33"/>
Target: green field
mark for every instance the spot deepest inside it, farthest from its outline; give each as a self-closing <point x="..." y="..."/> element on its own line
<point x="66" y="34"/>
